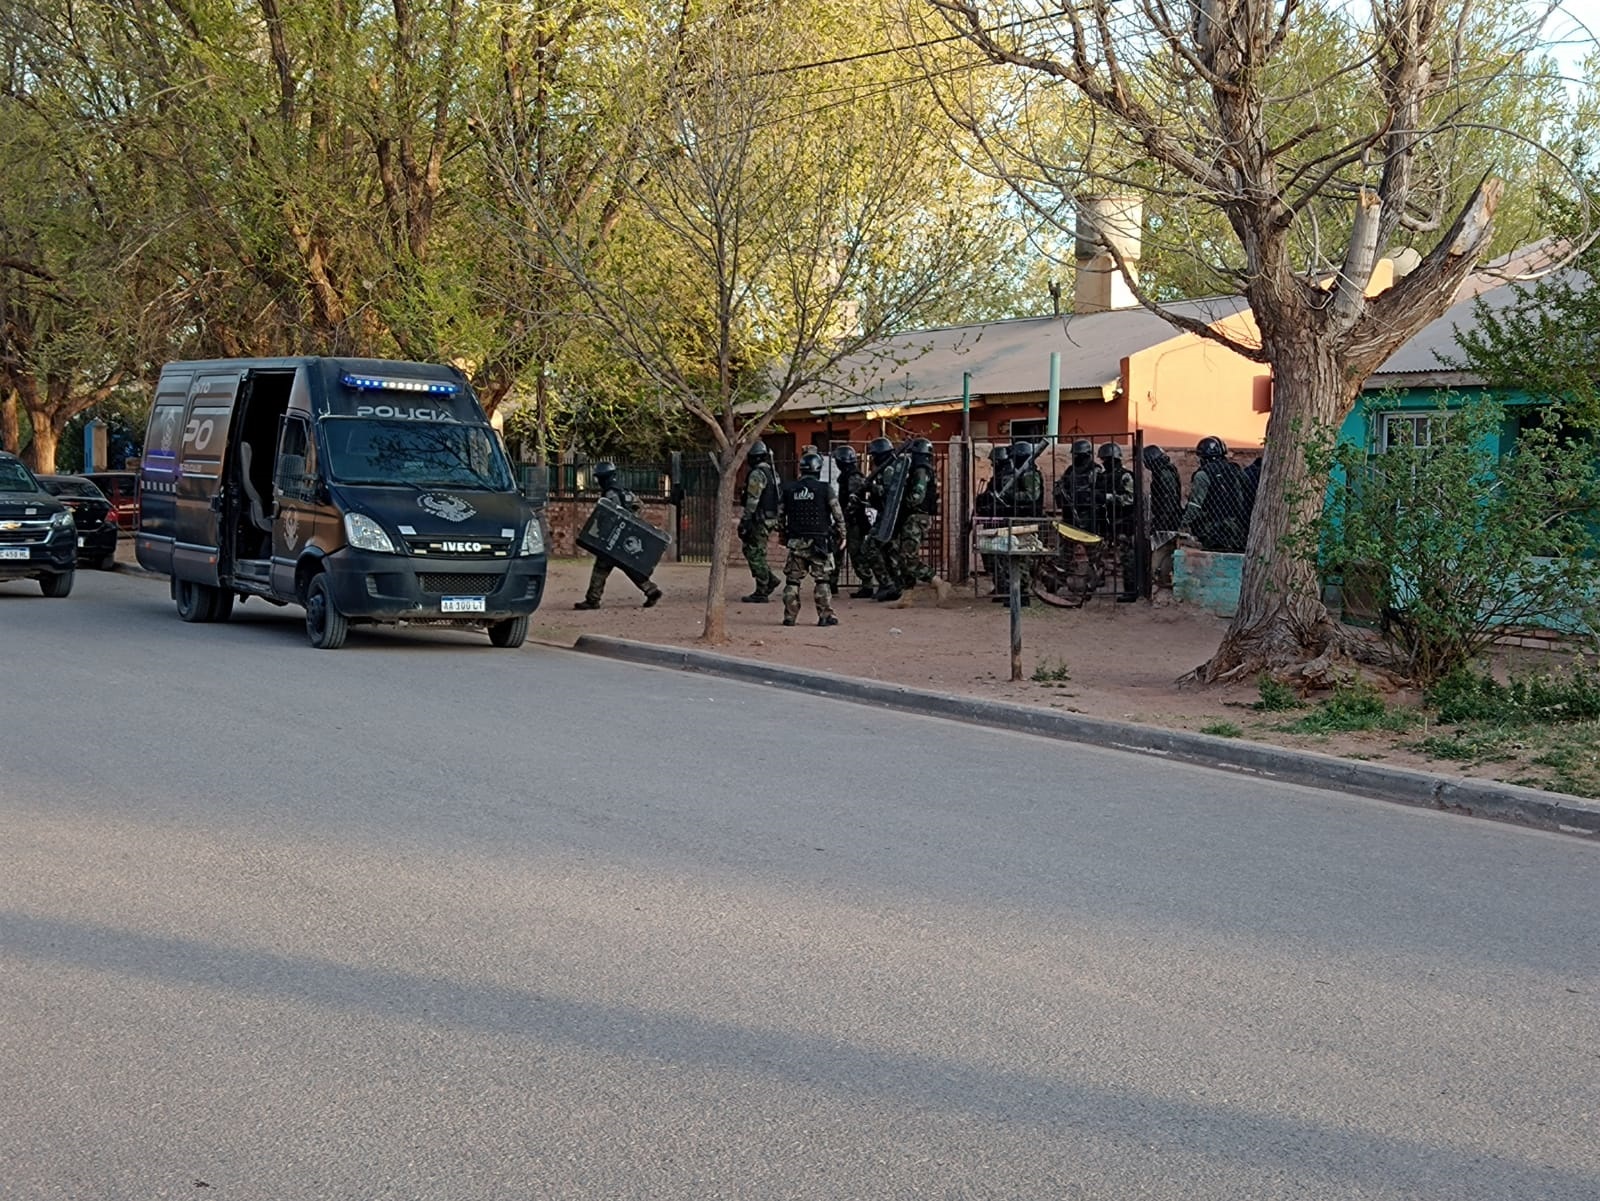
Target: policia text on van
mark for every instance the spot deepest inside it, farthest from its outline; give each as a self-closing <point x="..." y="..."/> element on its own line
<point x="365" y="491"/>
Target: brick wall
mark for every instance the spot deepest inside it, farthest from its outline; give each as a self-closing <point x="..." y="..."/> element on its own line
<point x="564" y="518"/>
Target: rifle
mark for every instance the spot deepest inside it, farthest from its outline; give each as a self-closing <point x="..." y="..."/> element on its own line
<point x="1004" y="494"/>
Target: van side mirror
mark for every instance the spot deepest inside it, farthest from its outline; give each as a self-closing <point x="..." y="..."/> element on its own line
<point x="535" y="486"/>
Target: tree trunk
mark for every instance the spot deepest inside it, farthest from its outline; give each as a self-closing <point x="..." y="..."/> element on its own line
<point x="10" y="422"/>
<point x="41" y="452"/>
<point x="1281" y="623"/>
<point x="716" y="622"/>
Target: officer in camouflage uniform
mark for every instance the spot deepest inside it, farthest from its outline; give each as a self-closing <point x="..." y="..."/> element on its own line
<point x="1218" y="512"/>
<point x="759" y="520"/>
<point x="813" y="527"/>
<point x="1118" y="510"/>
<point x="852" y="486"/>
<point x="1021" y="498"/>
<point x="1078" y="493"/>
<point x="874" y="561"/>
<point x="605" y="474"/>
<point x="917" y="507"/>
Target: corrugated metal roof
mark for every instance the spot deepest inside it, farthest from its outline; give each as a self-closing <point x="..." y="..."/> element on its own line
<point x="1003" y="356"/>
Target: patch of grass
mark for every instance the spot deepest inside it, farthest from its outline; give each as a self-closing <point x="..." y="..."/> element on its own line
<point x="1046" y="673"/>
<point x="1555" y="696"/>
<point x="1223" y="729"/>
<point x="1573" y="759"/>
<point x="1352" y="707"/>
<point x="1276" y="696"/>
<point x="1480" y="742"/>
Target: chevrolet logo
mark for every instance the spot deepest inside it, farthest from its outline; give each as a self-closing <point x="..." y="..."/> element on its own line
<point x="10" y="525"/>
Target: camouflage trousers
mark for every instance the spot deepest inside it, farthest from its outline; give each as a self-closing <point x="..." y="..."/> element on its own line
<point x="755" y="554"/>
<point x="1000" y="568"/>
<point x="863" y="557"/>
<point x="601" y="571"/>
<point x="904" y="554"/>
<point x="805" y="560"/>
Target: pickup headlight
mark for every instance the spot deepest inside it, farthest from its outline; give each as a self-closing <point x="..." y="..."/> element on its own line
<point x="62" y="520"/>
<point x="364" y="533"/>
<point x="532" y="538"/>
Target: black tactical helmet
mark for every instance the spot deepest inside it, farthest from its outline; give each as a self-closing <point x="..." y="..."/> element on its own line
<point x="1111" y="450"/>
<point x="880" y="450"/>
<point x="811" y="463"/>
<point x="845" y="456"/>
<point x="998" y="455"/>
<point x="759" y="452"/>
<point x="1153" y="454"/>
<point x="1021" y="452"/>
<point x="603" y="471"/>
<point x="922" y="451"/>
<point x="1083" y="448"/>
<point x="1211" y="448"/>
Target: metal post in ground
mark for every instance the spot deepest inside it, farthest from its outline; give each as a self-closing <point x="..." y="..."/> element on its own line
<point x="1016" y="617"/>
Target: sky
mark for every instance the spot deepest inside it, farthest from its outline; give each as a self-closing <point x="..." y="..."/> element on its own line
<point x="1575" y="26"/>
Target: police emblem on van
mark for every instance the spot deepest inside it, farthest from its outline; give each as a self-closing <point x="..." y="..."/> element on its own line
<point x="449" y="508"/>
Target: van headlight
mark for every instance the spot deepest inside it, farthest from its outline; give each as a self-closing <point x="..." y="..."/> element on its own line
<point x="61" y="520"/>
<point x="363" y="533"/>
<point x="532" y="538"/>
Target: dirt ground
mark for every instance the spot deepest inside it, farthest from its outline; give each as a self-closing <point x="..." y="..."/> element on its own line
<point x="1107" y="660"/>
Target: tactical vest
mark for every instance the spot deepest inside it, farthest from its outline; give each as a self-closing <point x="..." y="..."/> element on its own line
<point x="767" y="506"/>
<point x="622" y="497"/>
<point x="1225" y="515"/>
<point x="806" y="513"/>
<point x="853" y="497"/>
<point x="1083" y="483"/>
<point x="1166" y="497"/>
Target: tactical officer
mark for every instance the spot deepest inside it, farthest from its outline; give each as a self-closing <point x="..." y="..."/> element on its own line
<point x="1079" y="494"/>
<point x="1166" y="510"/>
<point x="1022" y="496"/>
<point x="1218" y="512"/>
<point x="989" y="504"/>
<point x="1166" y="491"/>
<point x="605" y="474"/>
<point x="1117" y="517"/>
<point x="852" y="489"/>
<point x="875" y="554"/>
<point x="759" y="520"/>
<point x="813" y="527"/>
<point x="918" y="504"/>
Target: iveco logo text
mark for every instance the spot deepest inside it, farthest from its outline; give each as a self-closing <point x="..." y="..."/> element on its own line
<point x="404" y="412"/>
<point x="463" y="548"/>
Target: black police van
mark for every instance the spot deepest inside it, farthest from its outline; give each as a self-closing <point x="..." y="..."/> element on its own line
<point x="364" y="490"/>
<point x="38" y="539"/>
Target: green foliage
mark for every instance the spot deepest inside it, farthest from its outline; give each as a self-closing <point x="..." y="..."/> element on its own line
<point x="1048" y="673"/>
<point x="1276" y="696"/>
<point x="1560" y="696"/>
<point x="1353" y="707"/>
<point x="1222" y="729"/>
<point x="1465" y="542"/>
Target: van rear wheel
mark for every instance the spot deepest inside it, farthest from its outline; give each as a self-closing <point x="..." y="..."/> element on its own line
<point x="510" y="633"/>
<point x="201" y="602"/>
<point x="325" y="625"/>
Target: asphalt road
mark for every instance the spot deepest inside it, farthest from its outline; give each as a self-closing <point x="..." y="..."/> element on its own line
<point x="424" y="919"/>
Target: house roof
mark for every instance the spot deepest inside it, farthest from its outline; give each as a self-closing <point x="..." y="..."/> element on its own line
<point x="924" y="367"/>
<point x="1427" y="359"/>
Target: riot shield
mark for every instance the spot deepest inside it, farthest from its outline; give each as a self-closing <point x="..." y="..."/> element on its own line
<point x="895" y="477"/>
<point x="616" y="534"/>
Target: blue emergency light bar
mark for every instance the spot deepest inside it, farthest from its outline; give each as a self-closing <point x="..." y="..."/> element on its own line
<point x="378" y="383"/>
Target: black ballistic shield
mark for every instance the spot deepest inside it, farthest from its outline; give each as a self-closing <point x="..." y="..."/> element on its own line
<point x="895" y="476"/>
<point x="616" y="534"/>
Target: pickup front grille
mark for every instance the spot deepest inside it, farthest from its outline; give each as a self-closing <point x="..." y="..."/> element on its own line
<point x="448" y="583"/>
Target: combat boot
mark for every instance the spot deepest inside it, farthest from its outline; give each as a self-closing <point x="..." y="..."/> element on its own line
<point x="788" y="621"/>
<point x="887" y="593"/>
<point x="865" y="592"/>
<point x="651" y="597"/>
<point x="586" y="604"/>
<point x="755" y="598"/>
<point x="829" y="620"/>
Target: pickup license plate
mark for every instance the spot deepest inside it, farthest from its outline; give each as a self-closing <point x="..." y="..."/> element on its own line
<point x="461" y="604"/>
<point x="13" y="552"/>
<point x="80" y="543"/>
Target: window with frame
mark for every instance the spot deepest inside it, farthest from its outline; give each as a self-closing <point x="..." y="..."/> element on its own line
<point x="1397" y="430"/>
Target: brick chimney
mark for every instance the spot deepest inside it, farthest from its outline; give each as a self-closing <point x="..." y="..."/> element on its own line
<point x="1103" y="220"/>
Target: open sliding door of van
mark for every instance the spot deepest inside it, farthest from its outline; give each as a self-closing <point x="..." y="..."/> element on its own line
<point x="202" y="454"/>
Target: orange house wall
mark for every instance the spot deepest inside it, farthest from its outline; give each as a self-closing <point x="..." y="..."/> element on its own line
<point x="1189" y="387"/>
<point x="1089" y="417"/>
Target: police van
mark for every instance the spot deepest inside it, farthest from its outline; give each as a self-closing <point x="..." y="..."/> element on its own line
<point x="366" y="491"/>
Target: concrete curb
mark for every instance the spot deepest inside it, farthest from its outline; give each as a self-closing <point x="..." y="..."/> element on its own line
<point x="1478" y="798"/>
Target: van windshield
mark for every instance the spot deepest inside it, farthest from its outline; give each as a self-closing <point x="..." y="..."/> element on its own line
<point x="364" y="450"/>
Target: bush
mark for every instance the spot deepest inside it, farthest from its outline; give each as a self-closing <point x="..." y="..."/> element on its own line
<point x="1565" y="696"/>
<point x="1352" y="707"/>
<point x="1468" y="542"/>
<point x="1276" y="696"/>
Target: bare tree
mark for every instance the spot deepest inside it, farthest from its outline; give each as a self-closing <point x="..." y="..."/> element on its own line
<point x="1324" y="135"/>
<point x="772" y="226"/>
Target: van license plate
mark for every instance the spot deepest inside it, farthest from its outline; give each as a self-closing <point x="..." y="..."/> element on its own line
<point x="461" y="604"/>
<point x="13" y="552"/>
<point x="80" y="543"/>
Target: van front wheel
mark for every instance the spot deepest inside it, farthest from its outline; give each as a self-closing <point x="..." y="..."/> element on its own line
<point x="510" y="633"/>
<point x="325" y="625"/>
<point x="201" y="602"/>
